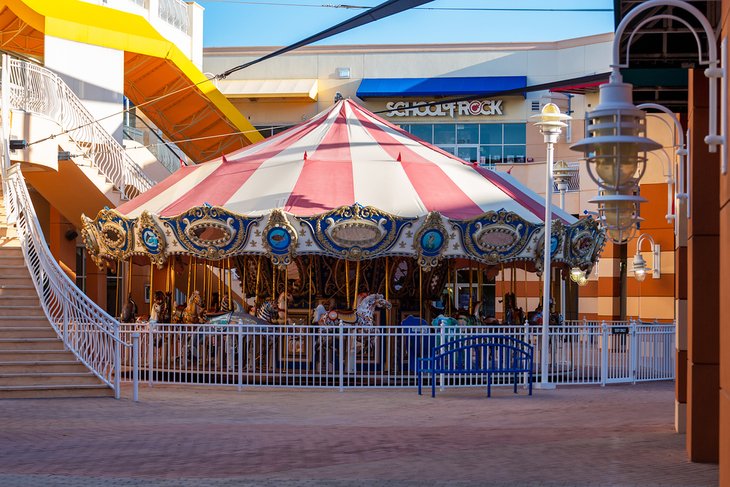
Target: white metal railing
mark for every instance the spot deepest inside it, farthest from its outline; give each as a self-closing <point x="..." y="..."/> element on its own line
<point x="35" y="89"/>
<point x="346" y="356"/>
<point x="175" y="13"/>
<point x="87" y="330"/>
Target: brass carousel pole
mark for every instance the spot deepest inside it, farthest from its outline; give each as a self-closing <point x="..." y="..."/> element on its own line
<point x="230" y="286"/>
<point x="347" y="282"/>
<point x="117" y="288"/>
<point x="357" y="284"/>
<point x="387" y="287"/>
<point x="309" y="265"/>
<point x="152" y="292"/>
<point x="243" y="284"/>
<point x="448" y="273"/>
<point x="258" y="278"/>
<point x="286" y="294"/>
<point x="420" y="293"/>
<point x="471" y="288"/>
<point x="190" y="273"/>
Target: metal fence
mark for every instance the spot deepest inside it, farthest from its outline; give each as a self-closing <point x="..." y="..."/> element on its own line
<point x="350" y="357"/>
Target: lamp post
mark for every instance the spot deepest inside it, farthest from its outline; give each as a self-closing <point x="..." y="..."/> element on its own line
<point x="550" y="122"/>
<point x="562" y="174"/>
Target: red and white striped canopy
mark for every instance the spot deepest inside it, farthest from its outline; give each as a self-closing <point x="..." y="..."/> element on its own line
<point x="342" y="156"/>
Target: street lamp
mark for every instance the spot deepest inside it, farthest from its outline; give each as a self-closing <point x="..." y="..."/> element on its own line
<point x="562" y="174"/>
<point x="550" y="122"/>
<point x="639" y="267"/>
<point x="616" y="144"/>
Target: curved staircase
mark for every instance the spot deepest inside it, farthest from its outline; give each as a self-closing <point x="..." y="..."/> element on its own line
<point x="33" y="359"/>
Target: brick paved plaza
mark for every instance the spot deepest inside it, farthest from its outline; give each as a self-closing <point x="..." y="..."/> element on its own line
<point x="618" y="435"/>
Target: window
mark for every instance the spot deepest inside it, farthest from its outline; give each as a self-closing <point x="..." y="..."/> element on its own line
<point x="81" y="268"/>
<point x="485" y="143"/>
<point x="267" y="131"/>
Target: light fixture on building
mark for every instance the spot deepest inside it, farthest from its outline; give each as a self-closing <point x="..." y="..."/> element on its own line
<point x="616" y="144"/>
<point x="639" y="266"/>
<point x="551" y="123"/>
<point x="17" y="144"/>
<point x="618" y="214"/>
<point x="343" y="73"/>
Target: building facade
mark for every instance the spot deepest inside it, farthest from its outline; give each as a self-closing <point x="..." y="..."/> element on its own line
<point x="474" y="101"/>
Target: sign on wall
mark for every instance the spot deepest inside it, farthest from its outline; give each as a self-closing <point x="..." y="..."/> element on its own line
<point x="472" y="108"/>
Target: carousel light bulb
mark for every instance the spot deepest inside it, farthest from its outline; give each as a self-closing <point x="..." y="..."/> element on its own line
<point x="582" y="281"/>
<point x="576" y="273"/>
<point x="639" y="267"/>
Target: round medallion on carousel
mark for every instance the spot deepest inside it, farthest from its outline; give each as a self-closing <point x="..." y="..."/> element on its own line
<point x="431" y="242"/>
<point x="279" y="240"/>
<point x="151" y="241"/>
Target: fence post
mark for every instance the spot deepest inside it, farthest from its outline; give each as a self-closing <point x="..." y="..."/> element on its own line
<point x="634" y="344"/>
<point x="65" y="326"/>
<point x="117" y="363"/>
<point x="526" y="337"/>
<point x="604" y="353"/>
<point x="240" y="354"/>
<point x="150" y="351"/>
<point x="135" y="366"/>
<point x="442" y="327"/>
<point x="341" y="356"/>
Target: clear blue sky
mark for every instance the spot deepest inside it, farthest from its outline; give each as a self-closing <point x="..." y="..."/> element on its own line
<point x="259" y="23"/>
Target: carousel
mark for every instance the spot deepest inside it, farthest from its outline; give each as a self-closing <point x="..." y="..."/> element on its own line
<point x="345" y="209"/>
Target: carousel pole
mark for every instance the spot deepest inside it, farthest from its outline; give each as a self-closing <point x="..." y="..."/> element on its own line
<point x="258" y="278"/>
<point x="173" y="299"/>
<point x="195" y="274"/>
<point x="119" y="298"/>
<point x="190" y="273"/>
<point x="420" y="293"/>
<point x="448" y="273"/>
<point x="286" y="294"/>
<point x="273" y="282"/>
<point x="243" y="283"/>
<point x="230" y="286"/>
<point x="471" y="288"/>
<point x="357" y="284"/>
<point x="309" y="265"/>
<point x="152" y="292"/>
<point x="480" y="283"/>
<point x="347" y="282"/>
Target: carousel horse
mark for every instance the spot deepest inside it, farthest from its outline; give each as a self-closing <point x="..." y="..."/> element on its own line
<point x="129" y="311"/>
<point x="159" y="313"/>
<point x="194" y="312"/>
<point x="364" y="347"/>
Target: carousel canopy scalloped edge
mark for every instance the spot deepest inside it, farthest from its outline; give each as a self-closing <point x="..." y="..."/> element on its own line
<point x="350" y="232"/>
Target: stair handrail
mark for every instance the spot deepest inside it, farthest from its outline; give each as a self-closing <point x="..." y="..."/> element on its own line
<point x="86" y="330"/>
<point x="36" y="89"/>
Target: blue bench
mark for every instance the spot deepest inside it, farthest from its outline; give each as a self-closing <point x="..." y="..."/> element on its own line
<point x="478" y="355"/>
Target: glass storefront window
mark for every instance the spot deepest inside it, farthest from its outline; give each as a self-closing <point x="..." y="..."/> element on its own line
<point x="469" y="154"/>
<point x="467" y="133"/>
<point x="485" y="143"/>
<point x="514" y="153"/>
<point x="490" y="133"/>
<point x="514" y="133"/>
<point x="423" y="131"/>
<point x="444" y="133"/>
<point x="490" y="154"/>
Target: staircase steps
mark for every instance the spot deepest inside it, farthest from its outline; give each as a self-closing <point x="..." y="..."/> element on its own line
<point x="33" y="360"/>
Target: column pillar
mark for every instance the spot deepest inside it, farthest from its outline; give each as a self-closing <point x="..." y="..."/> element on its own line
<point x="703" y="281"/>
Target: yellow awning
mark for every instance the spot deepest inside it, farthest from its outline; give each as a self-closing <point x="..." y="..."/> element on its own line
<point x="255" y="89"/>
<point x="153" y="67"/>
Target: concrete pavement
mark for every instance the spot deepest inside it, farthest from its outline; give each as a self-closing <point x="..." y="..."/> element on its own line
<point x="182" y="436"/>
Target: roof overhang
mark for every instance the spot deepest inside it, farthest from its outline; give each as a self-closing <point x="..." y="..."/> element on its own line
<point x="174" y="94"/>
<point x="305" y="90"/>
<point x="437" y="87"/>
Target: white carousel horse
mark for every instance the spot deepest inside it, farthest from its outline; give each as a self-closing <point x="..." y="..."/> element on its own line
<point x="364" y="343"/>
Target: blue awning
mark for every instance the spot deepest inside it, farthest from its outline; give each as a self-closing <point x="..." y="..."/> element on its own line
<point x="427" y="87"/>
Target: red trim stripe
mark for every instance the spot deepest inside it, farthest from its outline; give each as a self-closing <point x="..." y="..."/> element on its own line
<point x="218" y="187"/>
<point x="326" y="182"/>
<point x="434" y="187"/>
